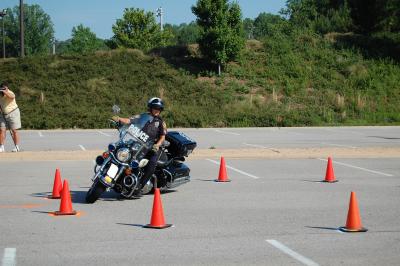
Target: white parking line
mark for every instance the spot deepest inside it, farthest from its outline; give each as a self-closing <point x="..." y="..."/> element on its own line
<point x="105" y="134"/>
<point x="9" y="257"/>
<point x="227" y="132"/>
<point x="261" y="146"/>
<point x="293" y="254"/>
<point x="82" y="148"/>
<point x="356" y="167"/>
<point x="339" y="145"/>
<point x="234" y="169"/>
<point x="40" y="134"/>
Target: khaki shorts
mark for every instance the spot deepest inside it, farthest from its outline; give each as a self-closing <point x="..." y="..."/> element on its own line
<point x="13" y="120"/>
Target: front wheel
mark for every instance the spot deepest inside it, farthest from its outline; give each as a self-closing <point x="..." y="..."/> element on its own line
<point x="94" y="192"/>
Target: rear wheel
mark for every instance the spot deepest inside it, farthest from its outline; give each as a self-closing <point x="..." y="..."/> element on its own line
<point x="94" y="192"/>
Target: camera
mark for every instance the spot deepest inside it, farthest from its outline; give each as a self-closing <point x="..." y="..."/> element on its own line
<point x="1" y="91"/>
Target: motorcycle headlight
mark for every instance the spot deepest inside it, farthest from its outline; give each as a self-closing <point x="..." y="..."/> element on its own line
<point x="123" y="155"/>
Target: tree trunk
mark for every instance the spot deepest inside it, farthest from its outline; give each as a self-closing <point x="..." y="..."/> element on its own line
<point x="219" y="69"/>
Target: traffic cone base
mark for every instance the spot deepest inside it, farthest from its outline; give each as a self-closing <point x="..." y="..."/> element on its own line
<point x="347" y="230"/>
<point x="57" y="186"/>
<point x="225" y="180"/>
<point x="157" y="214"/>
<point x="328" y="181"/>
<point x="65" y="213"/>
<point x="66" y="203"/>
<point x="157" y="227"/>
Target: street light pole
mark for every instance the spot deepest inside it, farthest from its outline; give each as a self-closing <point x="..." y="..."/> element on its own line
<point x="21" y="27"/>
<point x="2" y="15"/>
<point x="160" y="14"/>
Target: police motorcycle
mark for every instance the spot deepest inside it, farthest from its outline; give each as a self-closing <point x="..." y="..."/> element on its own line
<point x="121" y="166"/>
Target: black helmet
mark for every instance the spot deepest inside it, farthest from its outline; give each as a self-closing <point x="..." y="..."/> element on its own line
<point x="155" y="103"/>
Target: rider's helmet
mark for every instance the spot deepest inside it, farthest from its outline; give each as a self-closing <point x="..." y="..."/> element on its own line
<point x="155" y="103"/>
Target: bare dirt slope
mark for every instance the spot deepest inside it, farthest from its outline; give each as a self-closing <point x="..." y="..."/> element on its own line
<point x="292" y="153"/>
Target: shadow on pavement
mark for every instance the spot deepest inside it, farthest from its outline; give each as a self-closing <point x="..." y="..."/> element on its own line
<point x="137" y="225"/>
<point x="42" y="194"/>
<point x="323" y="228"/>
<point x="43" y="212"/>
<point x="380" y="137"/>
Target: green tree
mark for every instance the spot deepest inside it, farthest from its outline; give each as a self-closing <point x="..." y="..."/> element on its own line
<point x="265" y="24"/>
<point x="221" y="39"/>
<point x="62" y="46"/>
<point x="83" y="41"/>
<point x="184" y="33"/>
<point x="248" y="28"/>
<point x="39" y="31"/>
<point x="375" y="15"/>
<point x="138" y="29"/>
<point x="188" y="33"/>
<point x="321" y="16"/>
<point x="390" y="18"/>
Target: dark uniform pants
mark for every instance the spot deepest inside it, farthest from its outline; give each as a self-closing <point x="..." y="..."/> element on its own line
<point x="149" y="168"/>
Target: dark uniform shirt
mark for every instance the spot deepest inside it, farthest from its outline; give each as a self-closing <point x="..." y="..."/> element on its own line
<point x="155" y="128"/>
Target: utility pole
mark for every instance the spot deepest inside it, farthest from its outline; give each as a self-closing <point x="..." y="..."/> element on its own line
<point x="160" y="14"/>
<point x="2" y="15"/>
<point x="21" y="26"/>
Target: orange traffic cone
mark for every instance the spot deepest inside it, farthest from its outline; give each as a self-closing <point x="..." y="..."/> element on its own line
<point x="329" y="176"/>
<point x="66" y="204"/>
<point x="157" y="215"/>
<point x="353" y="223"/>
<point x="57" y="187"/>
<point x="222" y="177"/>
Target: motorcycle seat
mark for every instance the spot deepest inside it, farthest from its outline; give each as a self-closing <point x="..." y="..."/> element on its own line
<point x="162" y="163"/>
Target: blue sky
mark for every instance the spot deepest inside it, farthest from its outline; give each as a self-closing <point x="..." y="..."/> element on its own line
<point x="100" y="15"/>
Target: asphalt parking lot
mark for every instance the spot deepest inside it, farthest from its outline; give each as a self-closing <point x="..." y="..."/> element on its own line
<point x="236" y="138"/>
<point x="274" y="212"/>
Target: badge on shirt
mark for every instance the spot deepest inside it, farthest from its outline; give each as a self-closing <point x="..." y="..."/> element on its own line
<point x="156" y="124"/>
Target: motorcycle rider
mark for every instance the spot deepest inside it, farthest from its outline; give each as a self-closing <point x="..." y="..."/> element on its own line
<point x="156" y="129"/>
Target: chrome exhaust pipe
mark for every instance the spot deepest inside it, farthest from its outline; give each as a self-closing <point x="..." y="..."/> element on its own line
<point x="129" y="181"/>
<point x="178" y="181"/>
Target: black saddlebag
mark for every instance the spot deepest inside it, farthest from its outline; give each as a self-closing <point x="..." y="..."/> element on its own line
<point x="180" y="144"/>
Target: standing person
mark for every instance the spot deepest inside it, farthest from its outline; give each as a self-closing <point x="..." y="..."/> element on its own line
<point x="10" y="117"/>
<point x="156" y="129"/>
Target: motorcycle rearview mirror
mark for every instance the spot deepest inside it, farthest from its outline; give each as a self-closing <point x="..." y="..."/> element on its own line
<point x="143" y="163"/>
<point x="116" y="109"/>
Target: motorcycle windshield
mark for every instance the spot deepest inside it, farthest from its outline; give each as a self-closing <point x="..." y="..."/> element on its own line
<point x="141" y="120"/>
<point x="134" y="131"/>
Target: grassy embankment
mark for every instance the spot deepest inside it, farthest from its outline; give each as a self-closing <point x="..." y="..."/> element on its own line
<point x="300" y="80"/>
